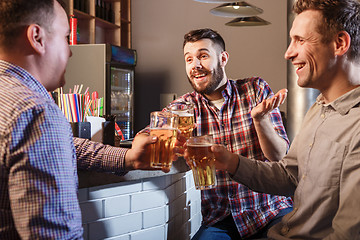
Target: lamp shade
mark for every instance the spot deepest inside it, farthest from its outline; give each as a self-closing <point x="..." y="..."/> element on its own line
<point x="215" y="1"/>
<point x="236" y="9"/>
<point x="247" y="21"/>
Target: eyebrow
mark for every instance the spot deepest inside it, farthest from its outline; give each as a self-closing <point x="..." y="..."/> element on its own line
<point x="200" y="50"/>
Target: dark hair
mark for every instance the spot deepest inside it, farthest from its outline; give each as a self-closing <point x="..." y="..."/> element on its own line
<point x="196" y="35"/>
<point x="339" y="15"/>
<point x="15" y="15"/>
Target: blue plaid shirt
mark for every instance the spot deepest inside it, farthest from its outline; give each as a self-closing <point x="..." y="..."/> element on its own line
<point x="38" y="162"/>
<point x="233" y="127"/>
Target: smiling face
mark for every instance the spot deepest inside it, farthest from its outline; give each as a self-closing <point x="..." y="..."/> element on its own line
<point x="313" y="58"/>
<point x="205" y="64"/>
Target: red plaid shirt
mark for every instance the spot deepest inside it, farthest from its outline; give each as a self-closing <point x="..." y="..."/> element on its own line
<point x="233" y="127"/>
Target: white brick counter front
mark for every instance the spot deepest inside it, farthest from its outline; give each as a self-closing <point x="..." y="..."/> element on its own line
<point x="157" y="208"/>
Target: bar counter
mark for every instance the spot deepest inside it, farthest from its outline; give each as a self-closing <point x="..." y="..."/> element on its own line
<point x="91" y="178"/>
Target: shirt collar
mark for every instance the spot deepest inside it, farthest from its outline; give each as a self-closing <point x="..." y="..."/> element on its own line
<point x="227" y="92"/>
<point x="24" y="77"/>
<point x="344" y="103"/>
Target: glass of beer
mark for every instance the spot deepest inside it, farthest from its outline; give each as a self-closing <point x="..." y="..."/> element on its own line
<point x="202" y="161"/>
<point x="164" y="126"/>
<point x="185" y="110"/>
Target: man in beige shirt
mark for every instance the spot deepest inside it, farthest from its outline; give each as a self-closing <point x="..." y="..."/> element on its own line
<point x="322" y="168"/>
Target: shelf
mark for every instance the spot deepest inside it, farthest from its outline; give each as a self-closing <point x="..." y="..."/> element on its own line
<point x="82" y="15"/>
<point x="93" y="29"/>
<point x="105" y="24"/>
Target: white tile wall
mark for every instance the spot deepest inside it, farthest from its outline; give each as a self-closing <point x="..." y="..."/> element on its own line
<point x="160" y="208"/>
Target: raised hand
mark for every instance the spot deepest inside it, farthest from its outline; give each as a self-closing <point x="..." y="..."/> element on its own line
<point x="267" y="105"/>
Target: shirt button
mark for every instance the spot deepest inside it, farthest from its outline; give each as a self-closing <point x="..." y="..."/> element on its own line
<point x="310" y="145"/>
<point x="322" y="116"/>
<point x="303" y="176"/>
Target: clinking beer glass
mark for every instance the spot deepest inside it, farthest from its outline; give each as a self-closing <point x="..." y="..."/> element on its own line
<point x="164" y="126"/>
<point x="185" y="110"/>
<point x="202" y="161"/>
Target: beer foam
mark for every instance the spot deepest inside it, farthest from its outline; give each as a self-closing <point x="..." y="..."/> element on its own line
<point x="199" y="144"/>
<point x="163" y="128"/>
<point x="183" y="113"/>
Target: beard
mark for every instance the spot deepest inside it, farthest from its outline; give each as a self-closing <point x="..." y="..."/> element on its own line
<point x="216" y="78"/>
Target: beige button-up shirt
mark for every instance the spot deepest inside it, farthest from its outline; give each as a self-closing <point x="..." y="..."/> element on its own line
<point x="321" y="170"/>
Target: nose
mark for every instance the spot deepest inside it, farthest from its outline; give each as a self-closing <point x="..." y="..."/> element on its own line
<point x="196" y="63"/>
<point x="290" y="52"/>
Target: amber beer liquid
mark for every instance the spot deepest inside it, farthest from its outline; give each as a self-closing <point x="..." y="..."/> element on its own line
<point x="162" y="151"/>
<point x="186" y="124"/>
<point x="164" y="126"/>
<point x="202" y="162"/>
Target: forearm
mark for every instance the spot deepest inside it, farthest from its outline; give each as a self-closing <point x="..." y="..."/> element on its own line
<point x="273" y="146"/>
<point x="267" y="177"/>
<point x="99" y="157"/>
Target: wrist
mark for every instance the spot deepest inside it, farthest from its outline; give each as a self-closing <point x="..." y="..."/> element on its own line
<point x="233" y="164"/>
<point x="129" y="163"/>
<point x="260" y="118"/>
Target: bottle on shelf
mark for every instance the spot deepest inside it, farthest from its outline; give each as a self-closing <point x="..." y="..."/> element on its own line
<point x="106" y="11"/>
<point x="84" y="6"/>
<point x="77" y="4"/>
<point x="110" y="14"/>
<point x="73" y="30"/>
<point x="102" y="8"/>
<point x="97" y="8"/>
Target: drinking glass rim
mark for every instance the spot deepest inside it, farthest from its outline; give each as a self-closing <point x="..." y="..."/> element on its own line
<point x="189" y="104"/>
<point x="202" y="136"/>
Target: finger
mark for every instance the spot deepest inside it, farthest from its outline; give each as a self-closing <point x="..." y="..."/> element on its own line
<point x="274" y="104"/>
<point x="277" y="101"/>
<point x="217" y="148"/>
<point x="270" y="104"/>
<point x="165" y="169"/>
<point x="284" y="97"/>
<point x="181" y="139"/>
<point x="283" y="91"/>
<point x="179" y="150"/>
<point x="153" y="139"/>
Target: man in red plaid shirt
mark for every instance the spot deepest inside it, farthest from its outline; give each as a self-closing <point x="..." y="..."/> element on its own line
<point x="243" y="116"/>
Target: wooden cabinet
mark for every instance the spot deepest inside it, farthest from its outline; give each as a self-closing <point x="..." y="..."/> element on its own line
<point x="102" y="21"/>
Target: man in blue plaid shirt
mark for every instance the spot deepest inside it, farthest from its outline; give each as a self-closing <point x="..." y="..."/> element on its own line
<point x="243" y="116"/>
<point x="38" y="154"/>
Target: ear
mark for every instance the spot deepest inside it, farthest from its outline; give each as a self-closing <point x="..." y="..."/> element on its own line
<point x="36" y="37"/>
<point x="342" y="43"/>
<point x="224" y="58"/>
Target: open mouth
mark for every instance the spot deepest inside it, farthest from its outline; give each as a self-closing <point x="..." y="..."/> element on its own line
<point x="299" y="66"/>
<point x="199" y="75"/>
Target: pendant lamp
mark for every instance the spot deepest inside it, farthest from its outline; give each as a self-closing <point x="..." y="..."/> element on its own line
<point x="247" y="21"/>
<point x="215" y="1"/>
<point x="236" y="9"/>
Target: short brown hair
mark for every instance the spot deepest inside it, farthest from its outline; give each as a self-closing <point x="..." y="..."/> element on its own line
<point x="204" y="33"/>
<point x="15" y="15"/>
<point x="338" y="15"/>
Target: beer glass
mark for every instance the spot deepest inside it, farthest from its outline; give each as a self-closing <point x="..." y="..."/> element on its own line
<point x="164" y="126"/>
<point x="202" y="161"/>
<point x="185" y="110"/>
